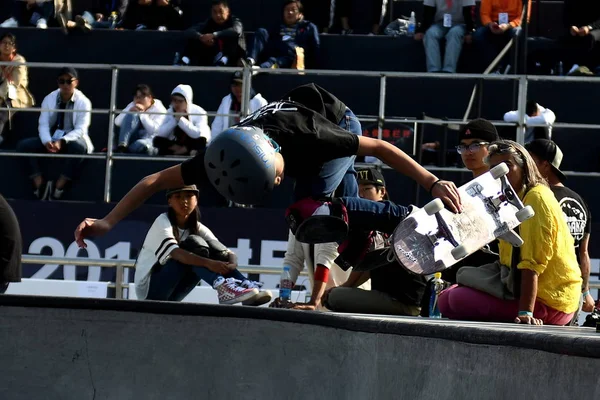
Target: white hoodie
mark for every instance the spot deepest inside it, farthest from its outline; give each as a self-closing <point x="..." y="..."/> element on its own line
<point x="220" y="123"/>
<point x="150" y="122"/>
<point x="196" y="126"/>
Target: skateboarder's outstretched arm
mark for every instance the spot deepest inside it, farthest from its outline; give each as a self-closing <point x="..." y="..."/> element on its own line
<point x="401" y="162"/>
<point x="142" y="191"/>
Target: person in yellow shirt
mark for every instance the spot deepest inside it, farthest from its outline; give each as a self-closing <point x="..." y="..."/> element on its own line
<point x="550" y="277"/>
<point x="500" y="22"/>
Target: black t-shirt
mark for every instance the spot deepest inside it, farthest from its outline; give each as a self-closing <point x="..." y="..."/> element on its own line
<point x="320" y="100"/>
<point x="10" y="244"/>
<point x="576" y="211"/>
<point x="307" y="139"/>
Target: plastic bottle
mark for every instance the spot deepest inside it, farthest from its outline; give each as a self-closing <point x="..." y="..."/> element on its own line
<point x="113" y="19"/>
<point x="285" y="285"/>
<point x="412" y="24"/>
<point x="561" y="71"/>
<point x="437" y="285"/>
<point x="177" y="59"/>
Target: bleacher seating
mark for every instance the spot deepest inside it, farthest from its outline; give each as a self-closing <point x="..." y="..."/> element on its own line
<point x="405" y="97"/>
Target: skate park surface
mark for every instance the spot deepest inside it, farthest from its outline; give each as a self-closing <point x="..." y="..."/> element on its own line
<point x="65" y="348"/>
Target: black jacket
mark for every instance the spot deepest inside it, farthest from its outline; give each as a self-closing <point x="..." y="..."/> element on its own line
<point x="230" y="29"/>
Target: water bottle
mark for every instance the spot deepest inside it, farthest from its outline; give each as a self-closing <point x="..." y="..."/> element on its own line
<point x="437" y="285"/>
<point x="285" y="285"/>
<point x="113" y="20"/>
<point x="412" y="24"/>
<point x="177" y="58"/>
<point x="560" y="69"/>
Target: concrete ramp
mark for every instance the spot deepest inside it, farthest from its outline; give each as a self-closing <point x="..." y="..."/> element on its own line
<point x="58" y="348"/>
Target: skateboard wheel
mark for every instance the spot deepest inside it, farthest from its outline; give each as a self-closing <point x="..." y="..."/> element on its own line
<point x="433" y="207"/>
<point x="525" y="213"/>
<point x="459" y="252"/>
<point x="499" y="170"/>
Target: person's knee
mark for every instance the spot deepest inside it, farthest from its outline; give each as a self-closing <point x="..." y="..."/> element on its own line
<point x="26" y="145"/>
<point x="433" y="33"/>
<point x="261" y="33"/>
<point x="197" y="245"/>
<point x="456" y="33"/>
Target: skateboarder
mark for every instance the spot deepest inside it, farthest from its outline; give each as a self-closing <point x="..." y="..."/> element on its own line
<point x="550" y="288"/>
<point x="548" y="156"/>
<point x="307" y="141"/>
<point x="10" y="246"/>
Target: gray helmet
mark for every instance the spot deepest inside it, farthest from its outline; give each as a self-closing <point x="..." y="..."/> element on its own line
<point x="240" y="164"/>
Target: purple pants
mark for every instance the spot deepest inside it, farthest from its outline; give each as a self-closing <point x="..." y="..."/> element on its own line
<point x="461" y="302"/>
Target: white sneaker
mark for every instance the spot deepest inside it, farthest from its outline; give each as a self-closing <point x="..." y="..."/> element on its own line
<point x="263" y="296"/>
<point x="42" y="24"/>
<point x="10" y="23"/>
<point x="230" y="291"/>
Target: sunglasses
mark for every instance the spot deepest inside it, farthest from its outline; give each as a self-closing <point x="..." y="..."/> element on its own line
<point x="274" y="144"/>
<point x="66" y="81"/>
<point x="471" y="148"/>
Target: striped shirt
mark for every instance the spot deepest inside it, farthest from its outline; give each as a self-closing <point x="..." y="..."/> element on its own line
<point x="158" y="246"/>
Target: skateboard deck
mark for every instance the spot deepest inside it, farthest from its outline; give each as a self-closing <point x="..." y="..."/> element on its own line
<point x="432" y="238"/>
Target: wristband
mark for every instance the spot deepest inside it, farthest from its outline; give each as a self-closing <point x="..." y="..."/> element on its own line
<point x="525" y="314"/>
<point x="434" y="183"/>
<point x="586" y="293"/>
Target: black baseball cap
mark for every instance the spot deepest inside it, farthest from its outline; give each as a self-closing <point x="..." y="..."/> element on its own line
<point x="68" y="71"/>
<point x="479" y="129"/>
<point x="370" y="175"/>
<point x="547" y="150"/>
<point x="188" y="188"/>
<point x="237" y="77"/>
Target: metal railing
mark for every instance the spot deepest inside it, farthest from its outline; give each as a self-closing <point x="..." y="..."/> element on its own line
<point x="119" y="284"/>
<point x="380" y="118"/>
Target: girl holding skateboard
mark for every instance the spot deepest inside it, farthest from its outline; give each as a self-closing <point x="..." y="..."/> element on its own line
<point x="550" y="286"/>
<point x="179" y="251"/>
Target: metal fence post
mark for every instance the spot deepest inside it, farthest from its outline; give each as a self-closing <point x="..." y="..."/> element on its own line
<point x="119" y="281"/>
<point x="246" y="89"/>
<point x="522" y="105"/>
<point x="381" y="116"/>
<point x="111" y="133"/>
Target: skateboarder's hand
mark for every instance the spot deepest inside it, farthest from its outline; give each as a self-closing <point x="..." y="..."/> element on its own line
<point x="448" y="193"/>
<point x="90" y="227"/>
<point x="525" y="319"/>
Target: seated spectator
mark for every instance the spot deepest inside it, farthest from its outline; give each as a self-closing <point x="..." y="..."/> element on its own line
<point x="30" y="13"/>
<point x="582" y="32"/>
<point x="153" y="15"/>
<point x="452" y="21"/>
<point x="394" y="290"/>
<point x="232" y="104"/>
<point x="534" y="114"/>
<point x="60" y="132"/>
<point x="13" y="81"/>
<point x="550" y="280"/>
<point x="183" y="134"/>
<point x="343" y="11"/>
<point x="103" y="14"/>
<point x="501" y="21"/>
<point x="217" y="41"/>
<point x="292" y="44"/>
<point x="136" y="131"/>
<point x="179" y="252"/>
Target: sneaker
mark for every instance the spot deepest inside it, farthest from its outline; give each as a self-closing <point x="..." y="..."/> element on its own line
<point x="263" y="296"/>
<point x="10" y="23"/>
<point x="82" y="24"/>
<point x="230" y="291"/>
<point x="42" y="24"/>
<point x="40" y="191"/>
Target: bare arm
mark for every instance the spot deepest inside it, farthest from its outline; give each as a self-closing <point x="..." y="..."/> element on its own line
<point x="529" y="286"/>
<point x="585" y="266"/>
<point x="401" y="162"/>
<point x="167" y="178"/>
<point x="187" y="258"/>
